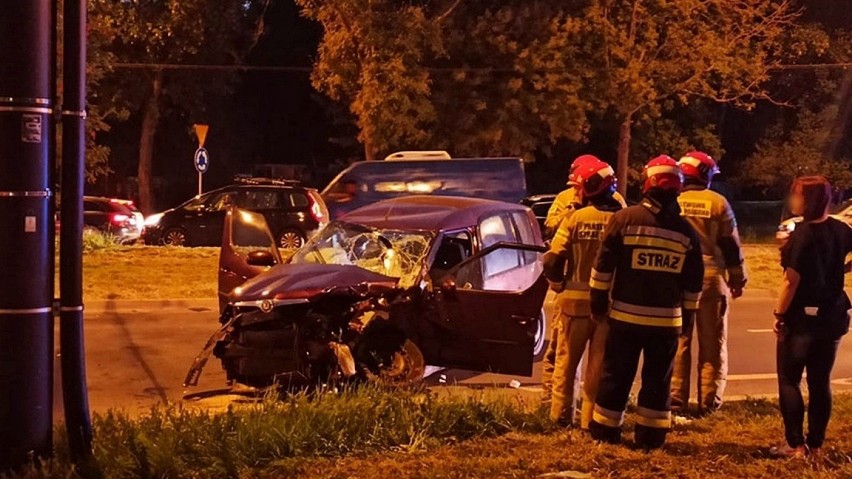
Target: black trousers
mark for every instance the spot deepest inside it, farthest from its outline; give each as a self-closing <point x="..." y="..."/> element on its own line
<point x="625" y="344"/>
<point x="799" y="350"/>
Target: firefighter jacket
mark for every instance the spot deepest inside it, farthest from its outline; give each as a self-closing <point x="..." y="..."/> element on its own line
<point x="650" y="264"/>
<point x="575" y="246"/>
<point x="711" y="216"/>
<point x="566" y="203"/>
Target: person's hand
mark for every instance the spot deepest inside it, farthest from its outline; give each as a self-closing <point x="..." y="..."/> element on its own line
<point x="736" y="292"/>
<point x="779" y="327"/>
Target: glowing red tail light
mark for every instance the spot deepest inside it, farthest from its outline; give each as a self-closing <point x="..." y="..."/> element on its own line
<point x="316" y="209"/>
<point x="119" y="219"/>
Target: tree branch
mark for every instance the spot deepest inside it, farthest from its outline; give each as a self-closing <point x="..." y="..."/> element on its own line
<point x="440" y="18"/>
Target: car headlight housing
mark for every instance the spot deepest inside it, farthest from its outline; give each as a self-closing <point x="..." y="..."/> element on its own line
<point x="153" y="220"/>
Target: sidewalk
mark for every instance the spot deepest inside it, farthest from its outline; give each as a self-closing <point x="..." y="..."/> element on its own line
<point x="164" y="305"/>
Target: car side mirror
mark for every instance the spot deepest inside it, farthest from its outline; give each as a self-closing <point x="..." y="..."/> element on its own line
<point x="260" y="258"/>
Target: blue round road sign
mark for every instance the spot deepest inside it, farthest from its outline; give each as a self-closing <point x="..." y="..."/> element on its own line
<point x="202" y="160"/>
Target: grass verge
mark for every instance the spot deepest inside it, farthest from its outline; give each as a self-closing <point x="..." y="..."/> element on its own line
<point x="371" y="433"/>
<point x="149" y="272"/>
<point x="178" y="442"/>
<point x="146" y="272"/>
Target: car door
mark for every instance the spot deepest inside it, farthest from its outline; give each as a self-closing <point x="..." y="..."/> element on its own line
<point x="203" y="221"/>
<point x="490" y="306"/>
<point x="247" y="250"/>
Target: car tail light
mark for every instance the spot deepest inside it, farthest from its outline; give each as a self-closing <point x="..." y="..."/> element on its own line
<point x="316" y="209"/>
<point x="119" y="219"/>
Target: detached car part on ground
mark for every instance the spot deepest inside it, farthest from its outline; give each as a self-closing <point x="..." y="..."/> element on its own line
<point x="381" y="293"/>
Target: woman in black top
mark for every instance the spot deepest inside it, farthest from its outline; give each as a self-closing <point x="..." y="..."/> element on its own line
<point x="811" y="315"/>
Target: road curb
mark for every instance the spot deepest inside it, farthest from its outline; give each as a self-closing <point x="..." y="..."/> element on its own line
<point x="167" y="305"/>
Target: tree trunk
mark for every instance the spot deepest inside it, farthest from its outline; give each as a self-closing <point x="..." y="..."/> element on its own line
<point x="623" y="164"/>
<point x="150" y="121"/>
<point x="369" y="153"/>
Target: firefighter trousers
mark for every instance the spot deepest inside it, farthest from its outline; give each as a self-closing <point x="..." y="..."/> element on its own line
<point x="625" y="343"/>
<point x="549" y="361"/>
<point x="711" y="328"/>
<point x="575" y="334"/>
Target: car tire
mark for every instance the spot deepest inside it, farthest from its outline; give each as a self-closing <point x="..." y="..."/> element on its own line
<point x="408" y="368"/>
<point x="175" y="237"/>
<point x="541" y="335"/>
<point x="290" y="239"/>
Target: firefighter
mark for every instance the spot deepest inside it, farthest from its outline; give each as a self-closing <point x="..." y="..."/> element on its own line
<point x="563" y="205"/>
<point x="568" y="267"/>
<point x="724" y="277"/>
<point x="650" y="266"/>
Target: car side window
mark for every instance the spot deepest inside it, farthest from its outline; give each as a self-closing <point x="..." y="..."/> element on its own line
<point x="299" y="200"/>
<point x="261" y="200"/>
<point x="222" y="202"/>
<point x="496" y="229"/>
<point x="453" y="250"/>
<point x="249" y="233"/>
<point x="91" y="206"/>
<point x="524" y="228"/>
<point x="500" y="270"/>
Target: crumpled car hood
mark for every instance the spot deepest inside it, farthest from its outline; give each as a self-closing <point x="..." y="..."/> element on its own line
<point x="307" y="278"/>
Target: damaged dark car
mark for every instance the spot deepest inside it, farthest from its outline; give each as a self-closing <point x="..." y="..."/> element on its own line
<point x="380" y="294"/>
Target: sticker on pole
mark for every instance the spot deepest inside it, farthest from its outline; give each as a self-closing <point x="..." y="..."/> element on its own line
<point x="202" y="160"/>
<point x="31" y="128"/>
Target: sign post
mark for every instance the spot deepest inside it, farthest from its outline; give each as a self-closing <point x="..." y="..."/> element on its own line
<point x="201" y="158"/>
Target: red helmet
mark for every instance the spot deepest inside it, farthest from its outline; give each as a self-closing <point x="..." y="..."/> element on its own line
<point x="579" y="163"/>
<point x="596" y="178"/>
<point x="662" y="172"/>
<point x="698" y="165"/>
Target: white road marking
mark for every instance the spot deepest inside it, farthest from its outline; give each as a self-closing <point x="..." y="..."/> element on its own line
<point x="759" y="330"/>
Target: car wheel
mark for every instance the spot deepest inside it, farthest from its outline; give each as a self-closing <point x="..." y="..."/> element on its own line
<point x="540" y="335"/>
<point x="291" y="239"/>
<point x="405" y="367"/>
<point x="175" y="237"/>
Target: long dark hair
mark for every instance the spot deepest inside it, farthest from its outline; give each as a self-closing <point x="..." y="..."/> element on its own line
<point x="817" y="193"/>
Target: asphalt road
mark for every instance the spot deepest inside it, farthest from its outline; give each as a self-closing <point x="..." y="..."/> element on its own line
<point x="138" y="358"/>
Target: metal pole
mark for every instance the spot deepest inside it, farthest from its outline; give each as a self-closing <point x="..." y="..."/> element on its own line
<point x="26" y="250"/>
<point x="199" y="183"/>
<point x="71" y="341"/>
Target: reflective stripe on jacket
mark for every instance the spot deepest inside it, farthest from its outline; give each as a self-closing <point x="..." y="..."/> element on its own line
<point x="650" y="262"/>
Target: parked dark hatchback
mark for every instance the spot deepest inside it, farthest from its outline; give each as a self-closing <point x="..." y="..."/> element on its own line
<point x="292" y="213"/>
<point x="381" y="293"/>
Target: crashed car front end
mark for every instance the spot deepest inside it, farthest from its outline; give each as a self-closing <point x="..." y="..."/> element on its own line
<point x="333" y="313"/>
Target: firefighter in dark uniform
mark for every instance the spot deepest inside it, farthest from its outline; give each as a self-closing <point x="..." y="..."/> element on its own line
<point x="568" y="268"/>
<point x="724" y="277"/>
<point x="650" y="266"/>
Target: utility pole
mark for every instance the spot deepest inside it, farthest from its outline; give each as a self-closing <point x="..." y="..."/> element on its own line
<point x="71" y="341"/>
<point x="26" y="230"/>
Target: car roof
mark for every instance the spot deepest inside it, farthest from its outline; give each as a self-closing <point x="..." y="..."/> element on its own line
<point x="426" y="212"/>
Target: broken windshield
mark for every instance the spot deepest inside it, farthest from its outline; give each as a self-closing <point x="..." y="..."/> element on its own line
<point x="394" y="253"/>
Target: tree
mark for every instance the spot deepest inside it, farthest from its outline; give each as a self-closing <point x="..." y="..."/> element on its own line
<point x="640" y="58"/>
<point x="156" y="32"/>
<point x="459" y="75"/>
<point x="371" y="58"/>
